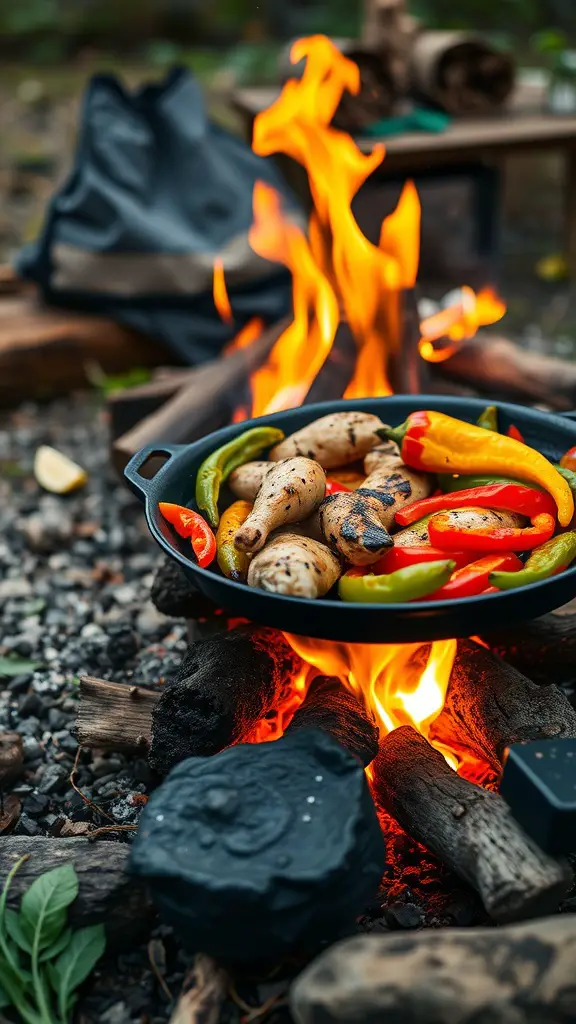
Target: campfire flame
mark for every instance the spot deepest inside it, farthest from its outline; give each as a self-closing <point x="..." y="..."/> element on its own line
<point x="458" y="322"/>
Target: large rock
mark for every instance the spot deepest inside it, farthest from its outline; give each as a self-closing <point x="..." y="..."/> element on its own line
<point x="518" y="974"/>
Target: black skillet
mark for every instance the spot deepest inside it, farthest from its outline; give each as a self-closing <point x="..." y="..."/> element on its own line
<point x="330" y="618"/>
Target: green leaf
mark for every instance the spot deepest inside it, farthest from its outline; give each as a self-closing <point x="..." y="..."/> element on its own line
<point x="57" y="947"/>
<point x="44" y="904"/>
<point x="4" y="1000"/>
<point x="76" y="962"/>
<point x="14" y="929"/>
<point x="17" y="666"/>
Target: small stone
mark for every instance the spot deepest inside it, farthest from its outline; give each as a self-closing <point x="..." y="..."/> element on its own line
<point x="29" y="727"/>
<point x="57" y="719"/>
<point x="54" y="779"/>
<point x="47" y="530"/>
<point x="122" y="644"/>
<point x="15" y="587"/>
<point x="19" y="684"/>
<point x="125" y="595"/>
<point x="27" y="826"/>
<point x="151" y="622"/>
<point x="403" y="915"/>
<point x="116" y="1014"/>
<point x="30" y="704"/>
<point x="36" y="804"/>
<point x="31" y="747"/>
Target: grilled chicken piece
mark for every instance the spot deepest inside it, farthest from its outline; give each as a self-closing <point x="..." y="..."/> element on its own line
<point x="290" y="492"/>
<point x="403" y="485"/>
<point x="352" y="524"/>
<point x="245" y="482"/>
<point x="380" y="456"/>
<point x="466" y="518"/>
<point x="333" y="440"/>
<point x="307" y="528"/>
<point x="294" y="565"/>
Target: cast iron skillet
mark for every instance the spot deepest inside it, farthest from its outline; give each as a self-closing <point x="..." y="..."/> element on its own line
<point x="329" y="618"/>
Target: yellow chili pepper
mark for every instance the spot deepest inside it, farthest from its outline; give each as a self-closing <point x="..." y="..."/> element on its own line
<point x="233" y="563"/>
<point x="434" y="442"/>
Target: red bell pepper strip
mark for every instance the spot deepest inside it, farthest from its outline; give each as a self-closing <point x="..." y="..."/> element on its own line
<point x="473" y="579"/>
<point x="447" y="536"/>
<point x="568" y="460"/>
<point x="511" y="497"/>
<point x="515" y="434"/>
<point x="399" y="558"/>
<point x="190" y="524"/>
<point x="333" y="486"/>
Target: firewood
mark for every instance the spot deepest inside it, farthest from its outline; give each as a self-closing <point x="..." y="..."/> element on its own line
<point x="114" y="716"/>
<point x="203" y="993"/>
<point x="461" y="72"/>
<point x="331" y="706"/>
<point x="490" y="705"/>
<point x="496" y="365"/>
<point x="542" y="648"/>
<point x="522" y="973"/>
<point x="204" y="403"/>
<point x="106" y="894"/>
<point x="225" y="685"/>
<point x="470" y="829"/>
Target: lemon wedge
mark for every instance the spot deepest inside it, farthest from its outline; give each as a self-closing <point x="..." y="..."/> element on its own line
<point x="57" y="473"/>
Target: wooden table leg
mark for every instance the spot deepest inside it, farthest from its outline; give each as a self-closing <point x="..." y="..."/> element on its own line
<point x="570" y="209"/>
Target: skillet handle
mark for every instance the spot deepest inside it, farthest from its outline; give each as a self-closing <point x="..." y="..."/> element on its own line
<point x="569" y="415"/>
<point x="140" y="485"/>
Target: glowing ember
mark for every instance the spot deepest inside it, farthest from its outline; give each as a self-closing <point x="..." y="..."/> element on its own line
<point x="392" y="679"/>
<point x="458" y="322"/>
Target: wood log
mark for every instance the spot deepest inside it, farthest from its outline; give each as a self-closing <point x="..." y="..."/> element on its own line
<point x="225" y="685"/>
<point x="331" y="706"/>
<point x="203" y="404"/>
<point x="46" y="351"/>
<point x="106" y="893"/>
<point x="203" y="993"/>
<point x="461" y="72"/>
<point x="114" y="716"/>
<point x="490" y="705"/>
<point x="521" y="973"/>
<point x="540" y="648"/>
<point x="496" y="365"/>
<point x="469" y="828"/>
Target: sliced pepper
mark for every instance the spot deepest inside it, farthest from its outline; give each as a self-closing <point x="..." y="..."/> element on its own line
<point x="474" y="579"/>
<point x="568" y="460"/>
<point x="489" y="418"/>
<point x="218" y="466"/>
<point x="399" y="558"/>
<point x="450" y="482"/>
<point x="515" y="434"/>
<point x="444" y="533"/>
<point x="188" y="523"/>
<point x="233" y="563"/>
<point x="409" y="584"/>
<point x="433" y="442"/>
<point x="333" y="486"/>
<point x="507" y="496"/>
<point x="545" y="561"/>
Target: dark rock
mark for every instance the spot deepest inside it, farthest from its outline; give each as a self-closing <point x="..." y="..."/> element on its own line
<point x="30" y="704"/>
<point x="403" y="915"/>
<point x="29" y="727"/>
<point x="27" y="826"/>
<point x="31" y="748"/>
<point x="57" y="719"/>
<point x="122" y="644"/>
<point x="11" y="758"/>
<point x="19" y="684"/>
<point x="54" y="779"/>
<point x="36" y="804"/>
<point x="262" y="849"/>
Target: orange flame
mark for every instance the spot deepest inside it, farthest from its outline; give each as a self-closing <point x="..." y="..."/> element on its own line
<point x="458" y="322"/>
<point x="220" y="293"/>
<point x="390" y="678"/>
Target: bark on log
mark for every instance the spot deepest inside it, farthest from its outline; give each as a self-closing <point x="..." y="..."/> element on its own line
<point x="520" y="974"/>
<point x="470" y="829"/>
<point x="541" y="648"/>
<point x="225" y="685"/>
<point x="106" y="893"/>
<point x="333" y="708"/>
<point x="495" y="364"/>
<point x="114" y="716"/>
<point x="490" y="705"/>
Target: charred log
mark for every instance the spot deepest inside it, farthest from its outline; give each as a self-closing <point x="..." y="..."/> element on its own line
<point x="225" y="685"/>
<point x="491" y="705"/>
<point x="332" y="707"/>
<point x="469" y="828"/>
<point x="173" y="594"/>
<point x="519" y="973"/>
<point x="541" y="647"/>
<point x="262" y="849"/>
<point x="106" y="893"/>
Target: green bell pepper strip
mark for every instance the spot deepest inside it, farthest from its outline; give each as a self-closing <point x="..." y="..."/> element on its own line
<point x="489" y="418"/>
<point x="556" y="554"/>
<point x="569" y="476"/>
<point x="449" y="483"/>
<point x="407" y="584"/>
<point x="218" y="466"/>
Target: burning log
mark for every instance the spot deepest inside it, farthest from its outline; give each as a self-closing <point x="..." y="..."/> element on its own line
<point x="519" y="973"/>
<point x="541" y="647"/>
<point x="225" y="685"/>
<point x="490" y="705"/>
<point x="106" y="893"/>
<point x="496" y="365"/>
<point x="114" y="716"/>
<point x="262" y="849"/>
<point x="202" y="404"/>
<point x="462" y="73"/>
<point x="469" y="828"/>
<point x="331" y="707"/>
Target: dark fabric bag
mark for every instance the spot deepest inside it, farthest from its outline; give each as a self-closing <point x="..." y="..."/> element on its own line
<point x="157" y="192"/>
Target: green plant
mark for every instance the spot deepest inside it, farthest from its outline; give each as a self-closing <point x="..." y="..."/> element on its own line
<point x="42" y="961"/>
